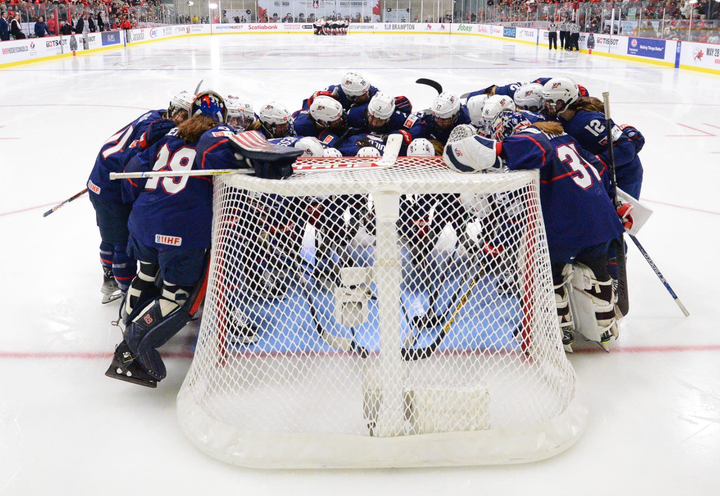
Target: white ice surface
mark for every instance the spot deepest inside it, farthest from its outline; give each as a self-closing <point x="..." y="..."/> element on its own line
<point x="66" y="429"/>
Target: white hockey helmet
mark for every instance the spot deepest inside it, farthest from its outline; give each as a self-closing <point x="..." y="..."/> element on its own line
<point x="558" y="94"/>
<point x="354" y="85"/>
<point x="475" y="106"/>
<point x="381" y="107"/>
<point x="420" y="147"/>
<point x="326" y="111"/>
<point x="331" y="152"/>
<point x="529" y="97"/>
<point x="493" y="106"/>
<point x="368" y="151"/>
<point x="240" y="112"/>
<point x="275" y="119"/>
<point x="446" y="106"/>
<point x="311" y="146"/>
<point x="181" y="101"/>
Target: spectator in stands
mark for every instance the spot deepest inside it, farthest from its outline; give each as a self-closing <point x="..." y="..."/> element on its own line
<point x="100" y="22"/>
<point x="41" y="28"/>
<point x="16" y="27"/>
<point x="4" y="27"/>
<point x="67" y="29"/>
<point x="91" y="24"/>
<point x="80" y="25"/>
<point x="51" y="26"/>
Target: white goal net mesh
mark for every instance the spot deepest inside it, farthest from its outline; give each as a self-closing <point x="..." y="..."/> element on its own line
<point x="380" y="318"/>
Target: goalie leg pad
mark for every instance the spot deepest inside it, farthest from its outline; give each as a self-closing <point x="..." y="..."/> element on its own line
<point x="562" y="277"/>
<point x="142" y="289"/>
<point x="602" y="298"/>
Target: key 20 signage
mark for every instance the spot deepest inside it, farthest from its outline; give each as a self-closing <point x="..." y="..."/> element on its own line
<point x="645" y="47"/>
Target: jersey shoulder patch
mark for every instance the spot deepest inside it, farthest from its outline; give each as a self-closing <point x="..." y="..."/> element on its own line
<point x="410" y="121"/>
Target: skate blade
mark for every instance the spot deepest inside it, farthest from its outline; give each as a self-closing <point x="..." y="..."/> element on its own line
<point x="109" y="298"/>
<point x="605" y="346"/>
<point x="568" y="348"/>
<point x="112" y="372"/>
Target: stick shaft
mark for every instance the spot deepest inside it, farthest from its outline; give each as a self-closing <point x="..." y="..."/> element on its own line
<point x="74" y="197"/>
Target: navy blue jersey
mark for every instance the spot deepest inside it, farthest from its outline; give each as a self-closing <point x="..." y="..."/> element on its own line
<point x="305" y="126"/>
<point x="508" y="89"/>
<point x="335" y="91"/>
<point x="357" y="120"/>
<point x="428" y="129"/>
<point x="588" y="128"/>
<point x="576" y="207"/>
<point x="177" y="211"/>
<point x="114" y="155"/>
<point x="350" y="146"/>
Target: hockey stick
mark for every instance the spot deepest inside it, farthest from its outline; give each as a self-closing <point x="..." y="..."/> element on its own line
<point x="412" y="354"/>
<point x="623" y="302"/>
<point x="659" y="275"/>
<point x="433" y="84"/>
<point x="302" y="164"/>
<point x="73" y="197"/>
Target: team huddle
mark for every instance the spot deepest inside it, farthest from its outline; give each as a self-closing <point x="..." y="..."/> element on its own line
<point x="156" y="232"/>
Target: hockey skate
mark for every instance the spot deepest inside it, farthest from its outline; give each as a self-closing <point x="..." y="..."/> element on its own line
<point x="242" y="332"/>
<point x="110" y="289"/>
<point x="125" y="368"/>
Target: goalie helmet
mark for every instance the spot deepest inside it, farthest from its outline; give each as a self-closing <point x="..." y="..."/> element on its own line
<point x="354" y="85"/>
<point x="326" y="111"/>
<point x="558" y="94"/>
<point x="311" y="146"/>
<point x="275" y="120"/>
<point x="446" y="106"/>
<point x="181" y="101"/>
<point x="420" y="147"/>
<point x="529" y="97"/>
<point x="368" y="151"/>
<point x="240" y="112"/>
<point x="494" y="105"/>
<point x="381" y="107"/>
<point x="331" y="152"/>
<point x="210" y="104"/>
<point x="475" y="106"/>
<point x="507" y="123"/>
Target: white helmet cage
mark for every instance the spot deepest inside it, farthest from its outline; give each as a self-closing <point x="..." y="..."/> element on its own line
<point x="354" y="85"/>
<point x="240" y="112"/>
<point x="381" y="106"/>
<point x="368" y="151"/>
<point x="273" y="116"/>
<point x="475" y="107"/>
<point x="325" y="111"/>
<point x="420" y="147"/>
<point x="311" y="146"/>
<point x="558" y="94"/>
<point x="181" y="101"/>
<point x="529" y="97"/>
<point x="493" y="106"/>
<point x="446" y="106"/>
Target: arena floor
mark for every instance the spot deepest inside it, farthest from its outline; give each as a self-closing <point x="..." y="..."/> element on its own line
<point x="66" y="429"/>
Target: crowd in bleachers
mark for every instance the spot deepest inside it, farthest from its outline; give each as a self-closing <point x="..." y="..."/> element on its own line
<point x="669" y="19"/>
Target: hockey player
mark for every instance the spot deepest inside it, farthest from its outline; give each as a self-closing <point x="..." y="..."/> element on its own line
<point x="446" y="112"/>
<point x="353" y="90"/>
<point x="241" y="115"/>
<point x="529" y="97"/>
<point x="326" y="120"/>
<point x="579" y="217"/>
<point x="275" y="121"/>
<point x="379" y="116"/>
<point x="584" y="120"/>
<point x="110" y="212"/>
<point x="493" y="106"/>
<point x="170" y="226"/>
<point x="505" y="90"/>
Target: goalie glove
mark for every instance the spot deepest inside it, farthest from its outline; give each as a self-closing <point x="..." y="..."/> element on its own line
<point x="269" y="161"/>
<point x="473" y="154"/>
<point x="624" y="211"/>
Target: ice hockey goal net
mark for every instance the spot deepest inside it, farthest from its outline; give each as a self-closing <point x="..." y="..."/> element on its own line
<point x="380" y="318"/>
